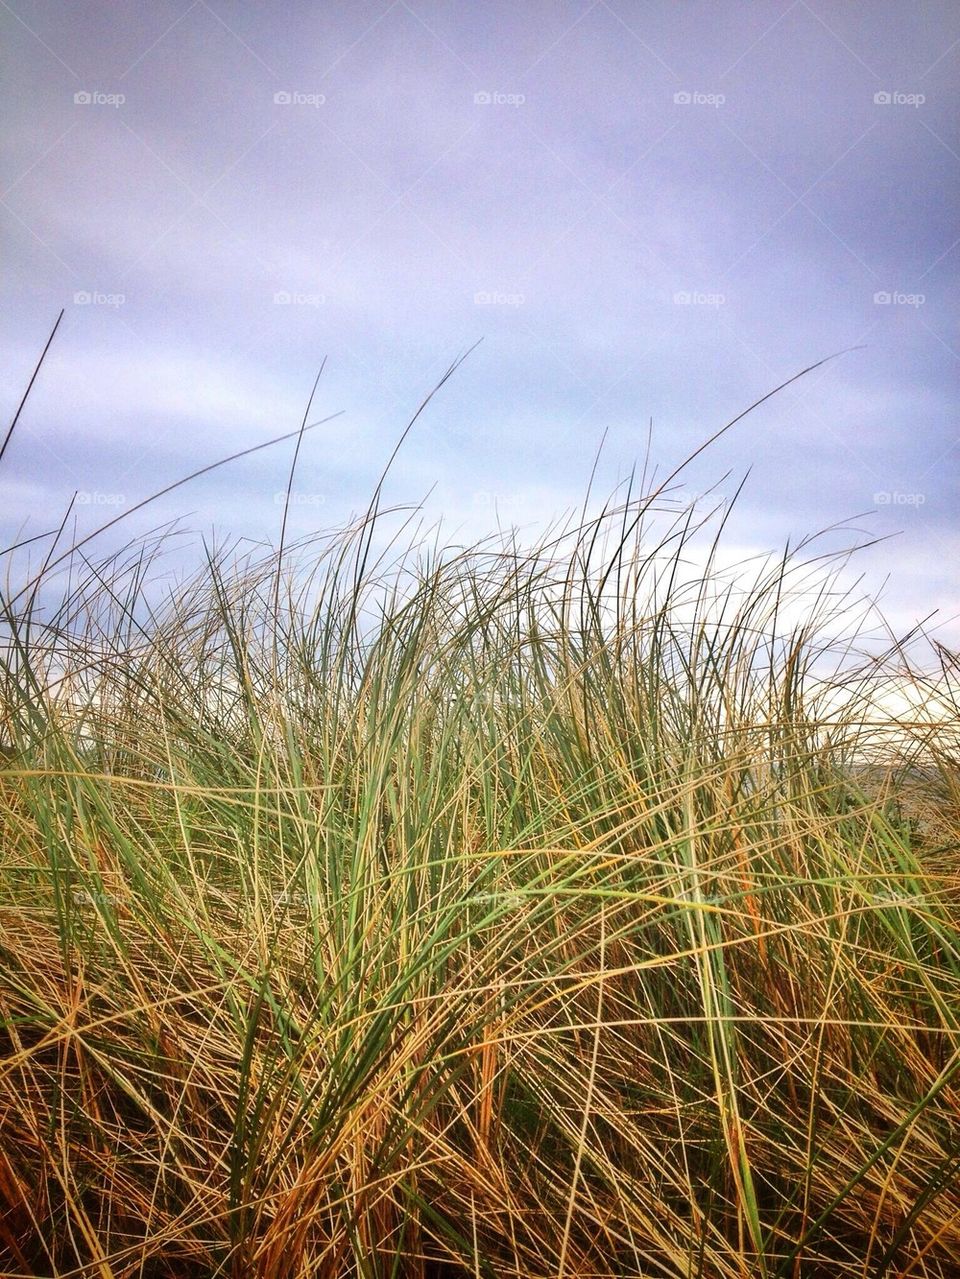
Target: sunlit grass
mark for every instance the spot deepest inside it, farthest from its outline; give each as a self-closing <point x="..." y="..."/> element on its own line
<point x="401" y="910"/>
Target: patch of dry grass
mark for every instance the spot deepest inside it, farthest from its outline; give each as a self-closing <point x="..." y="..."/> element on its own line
<point x="465" y="913"/>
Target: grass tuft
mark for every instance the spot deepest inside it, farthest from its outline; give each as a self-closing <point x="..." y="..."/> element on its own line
<point x="387" y="910"/>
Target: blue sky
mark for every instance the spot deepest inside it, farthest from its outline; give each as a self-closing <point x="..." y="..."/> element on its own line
<point x="645" y="210"/>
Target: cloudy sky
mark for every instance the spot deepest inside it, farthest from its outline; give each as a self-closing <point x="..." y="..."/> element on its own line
<point x="647" y="210"/>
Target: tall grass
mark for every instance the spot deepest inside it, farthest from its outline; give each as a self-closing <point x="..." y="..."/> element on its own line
<point x="398" y="909"/>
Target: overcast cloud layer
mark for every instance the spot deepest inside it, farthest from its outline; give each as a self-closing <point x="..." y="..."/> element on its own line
<point x="646" y="210"/>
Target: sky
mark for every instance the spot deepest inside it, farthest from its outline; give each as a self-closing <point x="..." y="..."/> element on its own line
<point x="644" y="212"/>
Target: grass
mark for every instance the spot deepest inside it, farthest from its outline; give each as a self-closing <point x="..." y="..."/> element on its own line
<point x="386" y="908"/>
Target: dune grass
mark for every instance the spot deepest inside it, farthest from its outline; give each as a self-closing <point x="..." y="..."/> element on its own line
<point x="411" y="910"/>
